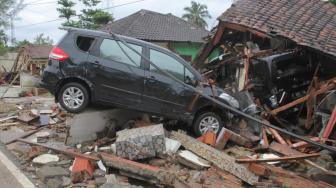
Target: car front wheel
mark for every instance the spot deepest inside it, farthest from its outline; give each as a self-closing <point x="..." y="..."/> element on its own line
<point x="208" y="121"/>
<point x="73" y="97"/>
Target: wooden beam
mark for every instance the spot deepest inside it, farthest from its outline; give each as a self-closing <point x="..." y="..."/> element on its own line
<point x="289" y="158"/>
<point x="287" y="151"/>
<point x="218" y="158"/>
<point x="303" y="143"/>
<point x="324" y="89"/>
<point x="277" y="136"/>
<point x="24" y="135"/>
<point x="140" y="171"/>
<point x="63" y="151"/>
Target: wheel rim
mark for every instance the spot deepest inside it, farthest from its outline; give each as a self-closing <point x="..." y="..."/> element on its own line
<point x="209" y="123"/>
<point x="73" y="97"/>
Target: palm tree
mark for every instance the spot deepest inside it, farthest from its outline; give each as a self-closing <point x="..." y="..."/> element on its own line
<point x="196" y="14"/>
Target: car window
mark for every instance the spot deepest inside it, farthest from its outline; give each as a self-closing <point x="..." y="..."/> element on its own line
<point x="114" y="50"/>
<point x="84" y="43"/>
<point x="166" y="63"/>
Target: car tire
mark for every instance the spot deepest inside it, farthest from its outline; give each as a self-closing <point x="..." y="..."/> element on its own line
<point x="73" y="97"/>
<point x="203" y="123"/>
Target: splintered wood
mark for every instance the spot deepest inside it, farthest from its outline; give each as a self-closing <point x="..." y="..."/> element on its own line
<point x="218" y="158"/>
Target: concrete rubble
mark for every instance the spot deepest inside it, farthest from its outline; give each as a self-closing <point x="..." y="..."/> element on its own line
<point x="148" y="154"/>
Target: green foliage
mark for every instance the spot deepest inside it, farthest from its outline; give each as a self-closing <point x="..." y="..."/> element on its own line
<point x="3" y="48"/>
<point x="90" y="3"/>
<point x="101" y="18"/>
<point x="196" y="14"/>
<point x="41" y="39"/>
<point x="333" y="2"/>
<point x="66" y="10"/>
<point x="90" y="17"/>
<point x="24" y="42"/>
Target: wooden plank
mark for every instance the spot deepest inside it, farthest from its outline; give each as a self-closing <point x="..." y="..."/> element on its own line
<point x="287" y="151"/>
<point x="236" y="138"/>
<point x="297" y="157"/>
<point x="277" y="136"/>
<point x="9" y="124"/>
<point x="63" y="151"/>
<point x="23" y="136"/>
<point x="218" y="158"/>
<point x="303" y="143"/>
<point x="323" y="89"/>
<point x="283" y="149"/>
<point x="264" y="137"/>
<point x="140" y="171"/>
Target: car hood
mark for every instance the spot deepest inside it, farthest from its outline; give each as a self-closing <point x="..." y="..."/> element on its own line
<point x="226" y="97"/>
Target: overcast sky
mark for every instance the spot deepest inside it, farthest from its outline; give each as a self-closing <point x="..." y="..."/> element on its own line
<point x="38" y="11"/>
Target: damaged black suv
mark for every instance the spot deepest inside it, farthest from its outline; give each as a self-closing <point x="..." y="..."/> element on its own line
<point x="95" y="67"/>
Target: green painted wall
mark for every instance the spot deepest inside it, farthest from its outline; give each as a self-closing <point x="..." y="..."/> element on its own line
<point x="186" y="48"/>
<point x="215" y="53"/>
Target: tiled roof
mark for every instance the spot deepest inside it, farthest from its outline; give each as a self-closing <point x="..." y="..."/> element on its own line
<point x="39" y="51"/>
<point x="149" y="25"/>
<point x="308" y="22"/>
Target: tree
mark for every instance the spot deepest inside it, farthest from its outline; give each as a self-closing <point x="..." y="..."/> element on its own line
<point x="196" y="14"/>
<point x="41" y="39"/>
<point x="90" y="17"/>
<point x="66" y="11"/>
<point x="24" y="42"/>
<point x="5" y="7"/>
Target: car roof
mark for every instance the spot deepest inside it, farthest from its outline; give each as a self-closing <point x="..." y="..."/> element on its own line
<point x="128" y="39"/>
<point x="107" y="35"/>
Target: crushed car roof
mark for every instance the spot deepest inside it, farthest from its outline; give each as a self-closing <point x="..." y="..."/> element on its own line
<point x="309" y="23"/>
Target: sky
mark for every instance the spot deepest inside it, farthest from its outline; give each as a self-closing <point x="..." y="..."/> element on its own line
<point x="33" y="19"/>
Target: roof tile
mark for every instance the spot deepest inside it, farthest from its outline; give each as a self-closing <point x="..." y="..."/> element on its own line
<point x="149" y="25"/>
<point x="308" y="22"/>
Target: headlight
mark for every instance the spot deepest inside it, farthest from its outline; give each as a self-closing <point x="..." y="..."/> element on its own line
<point x="229" y="99"/>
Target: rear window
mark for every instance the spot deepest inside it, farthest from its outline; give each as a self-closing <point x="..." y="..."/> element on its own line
<point x="84" y="43"/>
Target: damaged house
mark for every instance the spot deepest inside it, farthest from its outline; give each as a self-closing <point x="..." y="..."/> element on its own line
<point x="165" y="30"/>
<point x="282" y="54"/>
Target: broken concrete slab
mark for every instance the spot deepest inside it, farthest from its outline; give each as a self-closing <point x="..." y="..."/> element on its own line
<point x="218" y="158"/>
<point x="172" y="145"/>
<point x="191" y="160"/>
<point x="45" y="159"/>
<point x="140" y="143"/>
<point x="10" y="134"/>
<point x="46" y="172"/>
<point x="55" y="183"/>
<point x="88" y="125"/>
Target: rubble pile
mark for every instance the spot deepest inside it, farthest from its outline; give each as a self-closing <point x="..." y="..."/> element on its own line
<point x="148" y="155"/>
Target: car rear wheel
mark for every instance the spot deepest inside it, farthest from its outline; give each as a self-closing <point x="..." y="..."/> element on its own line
<point x="207" y="121"/>
<point x="73" y="97"/>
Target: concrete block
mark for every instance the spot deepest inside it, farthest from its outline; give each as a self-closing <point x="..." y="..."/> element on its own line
<point x="140" y="143"/>
<point x="93" y="123"/>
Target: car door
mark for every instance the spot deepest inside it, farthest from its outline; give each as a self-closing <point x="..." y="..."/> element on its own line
<point x="163" y="94"/>
<point x="117" y="72"/>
